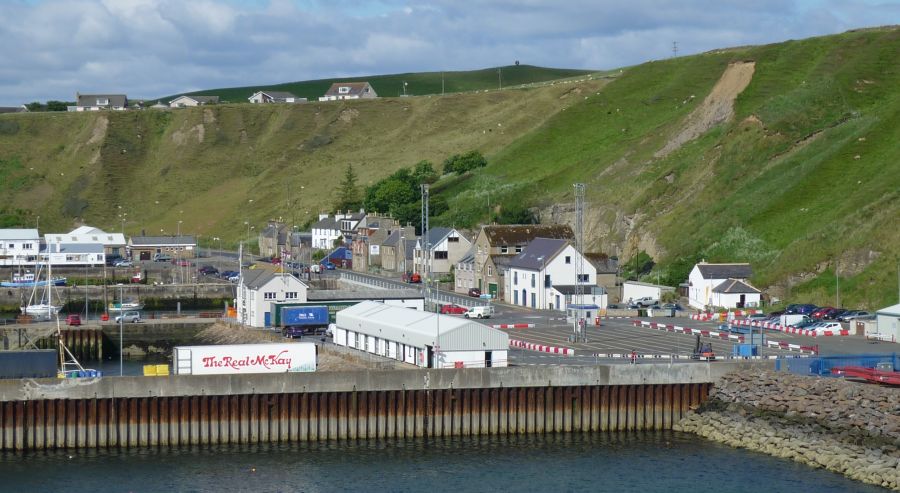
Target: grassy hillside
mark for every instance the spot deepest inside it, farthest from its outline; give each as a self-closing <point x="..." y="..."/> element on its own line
<point x="417" y="83"/>
<point x="802" y="179"/>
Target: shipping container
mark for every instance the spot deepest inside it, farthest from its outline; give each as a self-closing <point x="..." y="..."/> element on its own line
<point x="244" y="358"/>
<point x="304" y="316"/>
<point x="35" y="363"/>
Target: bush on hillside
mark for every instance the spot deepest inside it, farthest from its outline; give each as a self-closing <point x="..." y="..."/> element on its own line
<point x="459" y="164"/>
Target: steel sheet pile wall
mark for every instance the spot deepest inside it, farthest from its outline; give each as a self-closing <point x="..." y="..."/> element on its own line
<point x="256" y="418"/>
<point x="85" y="343"/>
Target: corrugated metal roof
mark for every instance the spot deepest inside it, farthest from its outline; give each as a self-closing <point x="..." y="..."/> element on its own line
<point x="419" y="329"/>
<point x="162" y="240"/>
<point x="19" y="234"/>
<point x="76" y="248"/>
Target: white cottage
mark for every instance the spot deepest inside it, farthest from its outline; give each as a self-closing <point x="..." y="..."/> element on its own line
<point x="722" y="285"/>
<point x="420" y="338"/>
<point x="325" y="231"/>
<point x="543" y="264"/>
<point x="19" y="246"/>
<point x="259" y="289"/>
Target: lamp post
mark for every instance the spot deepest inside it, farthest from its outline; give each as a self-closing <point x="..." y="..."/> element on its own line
<point x="121" y="328"/>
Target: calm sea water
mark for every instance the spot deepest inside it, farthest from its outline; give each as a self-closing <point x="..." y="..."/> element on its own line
<point x="640" y="462"/>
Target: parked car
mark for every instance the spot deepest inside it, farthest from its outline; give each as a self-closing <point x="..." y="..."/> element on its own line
<point x="612" y="306"/>
<point x="73" y="319"/>
<point x="123" y="263"/>
<point x="673" y="306"/>
<point x="479" y="312"/>
<point x="162" y="257"/>
<point x="646" y="301"/>
<point x="329" y="265"/>
<point x="129" y="317"/>
<point x="853" y="315"/>
<point x="833" y="314"/>
<point x="820" y="313"/>
<point x="758" y="317"/>
<point x="182" y="262"/>
<point x="412" y="277"/>
<point x="475" y="292"/>
<point x="826" y="326"/>
<point x="453" y="309"/>
<point x="802" y="309"/>
<point x="208" y="270"/>
<point x="225" y="274"/>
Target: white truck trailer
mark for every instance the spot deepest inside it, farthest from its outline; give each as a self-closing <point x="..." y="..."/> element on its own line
<point x="236" y="359"/>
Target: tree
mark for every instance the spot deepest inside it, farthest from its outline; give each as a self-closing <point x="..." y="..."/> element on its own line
<point x="460" y="164"/>
<point x="424" y="172"/>
<point x="58" y="105"/>
<point x="348" y="192"/>
<point x="515" y="214"/>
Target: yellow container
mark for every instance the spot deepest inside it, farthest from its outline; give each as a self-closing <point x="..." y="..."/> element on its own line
<point x="149" y="370"/>
<point x="162" y="370"/>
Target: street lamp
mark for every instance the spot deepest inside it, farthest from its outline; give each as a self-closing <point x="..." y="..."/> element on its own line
<point x="178" y="233"/>
<point x="121" y="328"/>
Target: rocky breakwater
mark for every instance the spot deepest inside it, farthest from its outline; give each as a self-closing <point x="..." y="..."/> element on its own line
<point x="846" y="427"/>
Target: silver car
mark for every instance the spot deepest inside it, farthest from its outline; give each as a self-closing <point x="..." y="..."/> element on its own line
<point x="130" y="317"/>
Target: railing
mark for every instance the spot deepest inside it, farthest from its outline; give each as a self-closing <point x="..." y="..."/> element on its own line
<point x="432" y="295"/>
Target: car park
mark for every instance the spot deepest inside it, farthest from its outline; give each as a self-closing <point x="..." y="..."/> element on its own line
<point x="73" y="319"/>
<point x="453" y="309"/>
<point x="129" y="317"/>
<point x="802" y="309"/>
<point x="834" y="313"/>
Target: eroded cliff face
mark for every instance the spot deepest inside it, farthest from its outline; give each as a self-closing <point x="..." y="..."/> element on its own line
<point x="846" y="427"/>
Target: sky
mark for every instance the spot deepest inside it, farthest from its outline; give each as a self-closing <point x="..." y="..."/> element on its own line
<point x="49" y="49"/>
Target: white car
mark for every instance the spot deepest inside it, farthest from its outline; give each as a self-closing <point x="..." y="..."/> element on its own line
<point x="829" y="326"/>
<point x="130" y="317"/>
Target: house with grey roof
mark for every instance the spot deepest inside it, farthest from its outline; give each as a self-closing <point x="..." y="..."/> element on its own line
<point x="274" y="97"/>
<point x="464" y="273"/>
<point x="258" y="292"/>
<point x="325" y="231"/>
<point x="146" y="247"/>
<point x="722" y="285"/>
<point x="13" y="109"/>
<point x="68" y="254"/>
<point x="191" y="101"/>
<point x="543" y="264"/>
<point x="97" y="102"/>
<point x="349" y="90"/>
<point x="442" y="248"/>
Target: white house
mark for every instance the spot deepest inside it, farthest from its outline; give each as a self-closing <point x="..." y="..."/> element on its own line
<point x="349" y="90"/>
<point x="66" y="253"/>
<point x="258" y="289"/>
<point x="634" y="290"/>
<point x="97" y="102"/>
<point x="888" y="323"/>
<point x="19" y="246"/>
<point x="325" y="231"/>
<point x="113" y="243"/>
<point x="722" y="285"/>
<point x="443" y="247"/>
<point x="190" y="101"/>
<point x="420" y="338"/>
<point x="543" y="264"/>
<point x="274" y="97"/>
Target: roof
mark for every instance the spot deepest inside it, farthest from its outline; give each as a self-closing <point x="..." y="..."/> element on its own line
<point x="86" y="234"/>
<point x="435" y="235"/>
<point x="725" y="271"/>
<point x="890" y="310"/>
<point x="13" y="109"/>
<point x="650" y="285"/>
<point x="162" y="240"/>
<point x="419" y="328"/>
<point x="410" y="248"/>
<point x="538" y="253"/>
<point x="356" y="89"/>
<point x="602" y="263"/>
<point x="199" y="99"/>
<point x="734" y="286"/>
<point x="469" y="257"/>
<point x="75" y="248"/>
<point x="19" y="234"/>
<point x="521" y="234"/>
<point x="340" y="252"/>
<point x="257" y="278"/>
<point x="277" y="94"/>
<point x="326" y="223"/>
<point x="91" y="99"/>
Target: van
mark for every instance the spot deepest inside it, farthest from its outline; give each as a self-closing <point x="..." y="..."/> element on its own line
<point x="480" y="312"/>
<point x="162" y="257"/>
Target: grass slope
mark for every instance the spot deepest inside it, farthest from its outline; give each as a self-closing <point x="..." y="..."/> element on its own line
<point x="804" y="180"/>
<point x="420" y="83"/>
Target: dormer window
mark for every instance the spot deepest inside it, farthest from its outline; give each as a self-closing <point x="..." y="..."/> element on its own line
<point x="344" y="90"/>
<point x="102" y="101"/>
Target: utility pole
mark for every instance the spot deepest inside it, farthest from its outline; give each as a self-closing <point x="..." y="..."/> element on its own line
<point x="579" y="259"/>
<point x="837" y="282"/>
<point x="674" y="49"/>
<point x="426" y="245"/>
<point x="500" y="79"/>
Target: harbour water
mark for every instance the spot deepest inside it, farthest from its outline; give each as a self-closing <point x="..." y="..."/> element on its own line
<point x="602" y="462"/>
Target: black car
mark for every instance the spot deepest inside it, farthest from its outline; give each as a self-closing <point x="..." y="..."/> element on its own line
<point x="208" y="270"/>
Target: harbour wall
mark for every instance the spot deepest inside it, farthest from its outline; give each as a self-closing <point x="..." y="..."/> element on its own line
<point x="189" y="410"/>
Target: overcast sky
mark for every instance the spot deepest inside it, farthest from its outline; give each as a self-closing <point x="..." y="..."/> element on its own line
<point x="49" y="49"/>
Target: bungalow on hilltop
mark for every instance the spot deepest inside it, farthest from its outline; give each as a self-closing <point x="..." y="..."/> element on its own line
<point x="97" y="102"/>
<point x="349" y="90"/>
<point x="190" y="101"/>
<point x="275" y="97"/>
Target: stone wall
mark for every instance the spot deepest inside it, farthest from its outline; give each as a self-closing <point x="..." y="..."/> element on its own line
<point x="846" y="427"/>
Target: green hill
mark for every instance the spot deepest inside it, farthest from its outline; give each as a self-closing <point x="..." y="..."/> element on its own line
<point x="783" y="155"/>
<point x="417" y="84"/>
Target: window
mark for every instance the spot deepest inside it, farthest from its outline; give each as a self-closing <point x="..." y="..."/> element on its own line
<point x="290" y="295"/>
<point x="568" y="259"/>
<point x="26" y="246"/>
<point x="440" y="255"/>
<point x="532" y="280"/>
<point x="547" y="282"/>
<point x="344" y="90"/>
<point x="268" y="296"/>
<point x="490" y="270"/>
<point x="518" y="249"/>
<point x="584" y="278"/>
<point x="453" y="239"/>
<point x="102" y="101"/>
<point x="504" y="249"/>
<point x="516" y="277"/>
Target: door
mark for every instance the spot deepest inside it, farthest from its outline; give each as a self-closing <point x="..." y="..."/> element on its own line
<point x="487" y="359"/>
<point x="430" y="354"/>
<point x="145" y="255"/>
<point x="524" y="298"/>
<point x="493" y="290"/>
<point x="268" y="319"/>
<point x="533" y="300"/>
<point x="743" y="300"/>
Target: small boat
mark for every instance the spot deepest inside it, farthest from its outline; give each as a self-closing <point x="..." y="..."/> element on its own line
<point x="42" y="312"/>
<point x="124" y="307"/>
<point x="27" y="280"/>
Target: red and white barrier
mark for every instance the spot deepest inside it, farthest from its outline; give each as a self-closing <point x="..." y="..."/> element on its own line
<point x="564" y="351"/>
<point x="793" y="347"/>
<point x="791" y="330"/>
<point x="686" y="330"/>
<point x="512" y="326"/>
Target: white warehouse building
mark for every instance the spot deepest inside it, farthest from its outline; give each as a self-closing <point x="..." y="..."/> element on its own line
<point x="425" y="339"/>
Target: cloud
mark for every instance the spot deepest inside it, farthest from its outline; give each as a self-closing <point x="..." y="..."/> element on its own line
<point x="151" y="48"/>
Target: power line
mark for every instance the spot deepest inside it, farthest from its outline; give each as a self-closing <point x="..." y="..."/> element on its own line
<point x="674" y="49"/>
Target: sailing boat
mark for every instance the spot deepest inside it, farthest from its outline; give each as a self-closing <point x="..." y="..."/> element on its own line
<point x="41" y="310"/>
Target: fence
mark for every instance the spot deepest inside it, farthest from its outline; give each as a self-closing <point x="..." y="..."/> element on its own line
<point x="822" y="365"/>
<point x="434" y="296"/>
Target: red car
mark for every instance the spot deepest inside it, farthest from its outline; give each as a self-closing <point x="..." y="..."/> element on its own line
<point x="73" y="319"/>
<point x="453" y="309"/>
<point x="475" y="292"/>
<point x="821" y="312"/>
<point x="182" y="263"/>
